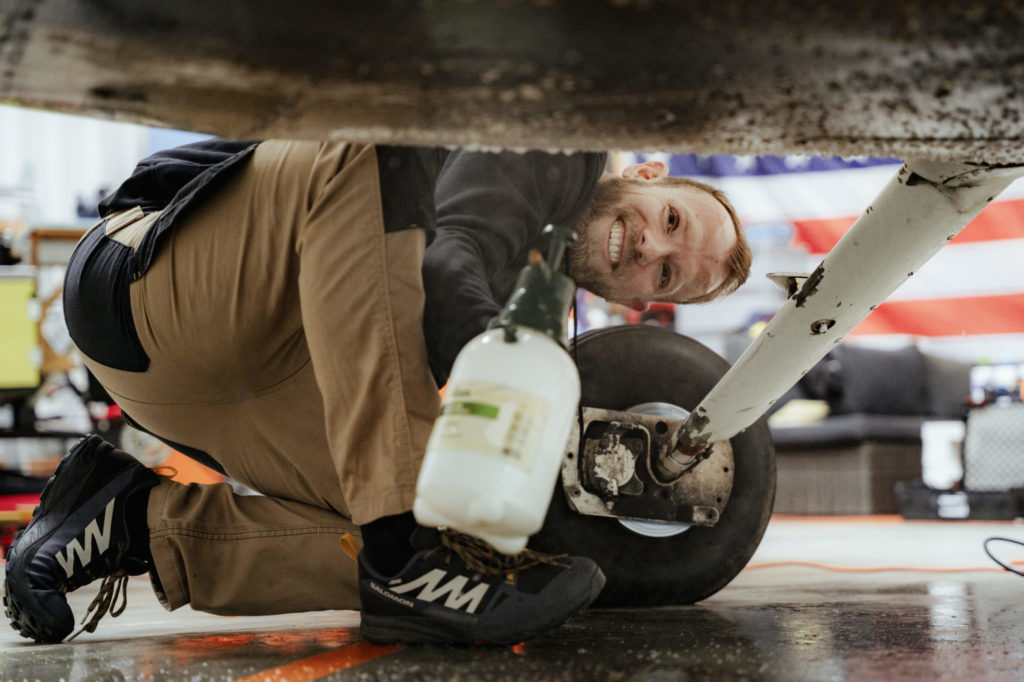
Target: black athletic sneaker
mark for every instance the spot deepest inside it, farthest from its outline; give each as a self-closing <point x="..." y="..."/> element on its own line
<point x="459" y="589"/>
<point x="80" y="532"/>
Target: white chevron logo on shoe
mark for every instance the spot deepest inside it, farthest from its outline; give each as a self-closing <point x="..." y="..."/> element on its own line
<point x="84" y="549"/>
<point x="455" y="599"/>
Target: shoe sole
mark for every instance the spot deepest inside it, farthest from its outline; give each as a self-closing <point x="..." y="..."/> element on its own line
<point x="418" y="630"/>
<point x="19" y="599"/>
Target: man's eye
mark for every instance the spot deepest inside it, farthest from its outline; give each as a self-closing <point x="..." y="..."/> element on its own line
<point x="666" y="275"/>
<point x="673" y="219"/>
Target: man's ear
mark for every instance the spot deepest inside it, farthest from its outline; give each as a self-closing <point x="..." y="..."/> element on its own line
<point x="649" y="170"/>
<point x="634" y="304"/>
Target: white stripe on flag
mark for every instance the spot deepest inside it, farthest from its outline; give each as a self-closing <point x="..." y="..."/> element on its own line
<point x="972" y="269"/>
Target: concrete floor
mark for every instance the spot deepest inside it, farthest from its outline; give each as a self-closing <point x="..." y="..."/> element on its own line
<point x="774" y="622"/>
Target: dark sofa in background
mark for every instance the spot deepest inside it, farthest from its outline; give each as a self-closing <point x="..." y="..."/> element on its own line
<point x="849" y="462"/>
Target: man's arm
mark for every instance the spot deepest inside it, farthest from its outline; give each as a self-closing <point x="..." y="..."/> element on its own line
<point x="491" y="209"/>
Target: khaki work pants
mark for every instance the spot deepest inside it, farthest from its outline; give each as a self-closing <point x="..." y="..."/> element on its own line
<point x="284" y="331"/>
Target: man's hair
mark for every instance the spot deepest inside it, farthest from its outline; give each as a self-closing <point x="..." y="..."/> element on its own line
<point x="740" y="257"/>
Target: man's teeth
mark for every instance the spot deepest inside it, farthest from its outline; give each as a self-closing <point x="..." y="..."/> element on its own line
<point x="615" y="242"/>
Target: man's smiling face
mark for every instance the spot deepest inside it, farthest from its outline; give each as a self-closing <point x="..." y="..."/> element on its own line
<point x="642" y="241"/>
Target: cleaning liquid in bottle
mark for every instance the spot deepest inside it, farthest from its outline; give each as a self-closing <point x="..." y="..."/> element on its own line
<point x="497" y="445"/>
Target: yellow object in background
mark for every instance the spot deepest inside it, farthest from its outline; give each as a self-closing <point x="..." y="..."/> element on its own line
<point x="19" y="332"/>
<point x="800" y="413"/>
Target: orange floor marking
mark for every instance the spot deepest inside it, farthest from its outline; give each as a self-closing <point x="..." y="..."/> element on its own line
<point x="324" y="664"/>
<point x="190" y="471"/>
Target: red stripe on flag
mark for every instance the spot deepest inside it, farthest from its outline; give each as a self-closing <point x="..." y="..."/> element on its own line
<point x="1000" y="220"/>
<point x="1002" y="314"/>
<point x="820" y="235"/>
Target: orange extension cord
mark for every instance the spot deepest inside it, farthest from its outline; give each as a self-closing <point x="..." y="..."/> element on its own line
<point x="878" y="569"/>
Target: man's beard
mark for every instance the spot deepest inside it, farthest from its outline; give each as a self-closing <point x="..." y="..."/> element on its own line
<point x="606" y="201"/>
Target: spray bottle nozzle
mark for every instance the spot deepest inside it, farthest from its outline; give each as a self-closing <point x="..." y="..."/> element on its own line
<point x="562" y="237"/>
<point x="543" y="295"/>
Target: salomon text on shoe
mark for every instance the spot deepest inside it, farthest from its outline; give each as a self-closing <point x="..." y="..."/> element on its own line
<point x="462" y="590"/>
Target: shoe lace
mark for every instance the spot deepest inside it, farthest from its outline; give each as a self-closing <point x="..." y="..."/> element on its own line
<point x="484" y="559"/>
<point x="114" y="585"/>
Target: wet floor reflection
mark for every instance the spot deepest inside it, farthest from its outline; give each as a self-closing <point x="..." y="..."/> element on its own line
<point x="220" y="656"/>
<point x="932" y="631"/>
<point x="857" y="630"/>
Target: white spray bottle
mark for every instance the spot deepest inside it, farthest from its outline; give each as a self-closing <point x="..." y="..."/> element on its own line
<point x="495" y="451"/>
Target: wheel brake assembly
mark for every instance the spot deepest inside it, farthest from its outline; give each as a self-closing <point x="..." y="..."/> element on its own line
<point x="608" y="471"/>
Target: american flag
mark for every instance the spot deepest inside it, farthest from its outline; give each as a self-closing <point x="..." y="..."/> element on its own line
<point x="966" y="302"/>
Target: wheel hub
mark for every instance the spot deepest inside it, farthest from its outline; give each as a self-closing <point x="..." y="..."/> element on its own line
<point x="657" y="529"/>
<point x="608" y="471"/>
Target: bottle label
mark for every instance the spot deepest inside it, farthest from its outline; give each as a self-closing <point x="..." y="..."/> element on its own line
<point x="491" y="419"/>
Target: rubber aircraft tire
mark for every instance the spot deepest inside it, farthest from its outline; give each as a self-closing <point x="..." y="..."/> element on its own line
<point x="625" y="366"/>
